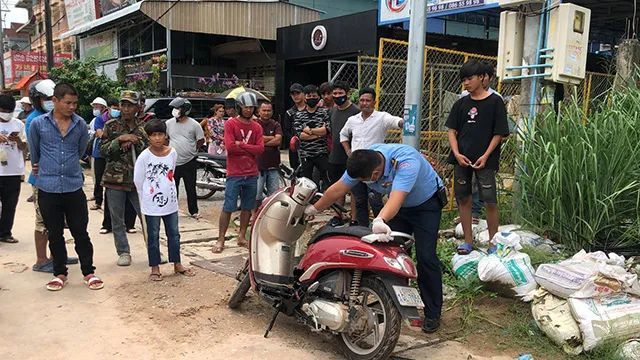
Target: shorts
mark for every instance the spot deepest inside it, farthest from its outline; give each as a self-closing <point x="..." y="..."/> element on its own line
<point x="244" y="186"/>
<point x="39" y="227"/>
<point x="336" y="171"/>
<point x="486" y="183"/>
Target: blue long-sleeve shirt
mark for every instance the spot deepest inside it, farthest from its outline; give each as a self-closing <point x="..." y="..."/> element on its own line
<point x="27" y="124"/>
<point x="57" y="156"/>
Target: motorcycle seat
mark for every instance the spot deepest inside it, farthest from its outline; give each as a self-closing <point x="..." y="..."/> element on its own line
<point x="327" y="231"/>
<point x="212" y="157"/>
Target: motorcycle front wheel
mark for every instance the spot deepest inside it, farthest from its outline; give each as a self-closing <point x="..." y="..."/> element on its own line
<point x="242" y="288"/>
<point x="203" y="175"/>
<point x="376" y="328"/>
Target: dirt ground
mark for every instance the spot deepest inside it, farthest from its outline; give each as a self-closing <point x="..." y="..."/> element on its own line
<point x="181" y="317"/>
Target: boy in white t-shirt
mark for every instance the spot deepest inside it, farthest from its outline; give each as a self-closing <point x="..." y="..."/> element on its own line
<point x="153" y="177"/>
<point x="12" y="147"/>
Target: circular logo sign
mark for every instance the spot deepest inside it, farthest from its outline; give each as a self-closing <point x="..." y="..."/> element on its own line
<point x="396" y="5"/>
<point x="319" y="37"/>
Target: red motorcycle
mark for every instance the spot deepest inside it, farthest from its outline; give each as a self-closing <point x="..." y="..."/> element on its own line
<point x="344" y="281"/>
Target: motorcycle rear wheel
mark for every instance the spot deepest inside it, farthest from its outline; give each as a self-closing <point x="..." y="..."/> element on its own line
<point x="241" y="290"/>
<point x="376" y="299"/>
<point x="203" y="175"/>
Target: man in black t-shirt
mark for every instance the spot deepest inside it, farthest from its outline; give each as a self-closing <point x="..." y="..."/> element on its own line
<point x="295" y="91"/>
<point x="311" y="126"/>
<point x="477" y="124"/>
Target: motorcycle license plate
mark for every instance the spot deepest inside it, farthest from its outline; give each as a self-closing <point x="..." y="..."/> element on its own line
<point x="408" y="296"/>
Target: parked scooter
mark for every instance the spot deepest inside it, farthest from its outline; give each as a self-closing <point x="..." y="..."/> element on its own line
<point x="211" y="175"/>
<point x="343" y="281"/>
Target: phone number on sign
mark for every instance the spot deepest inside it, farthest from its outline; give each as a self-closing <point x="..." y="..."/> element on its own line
<point x="455" y="5"/>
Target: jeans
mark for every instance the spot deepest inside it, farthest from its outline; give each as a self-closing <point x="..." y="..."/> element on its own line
<point x="423" y="221"/>
<point x="99" y="165"/>
<point x="365" y="197"/>
<point x="269" y="178"/>
<point x="9" y="194"/>
<point x="129" y="216"/>
<point x="188" y="173"/>
<point x="153" y="237"/>
<point x="319" y="162"/>
<point x="55" y="207"/>
<point x="117" y="201"/>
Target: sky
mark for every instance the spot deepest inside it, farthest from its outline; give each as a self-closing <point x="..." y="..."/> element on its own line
<point x="14" y="14"/>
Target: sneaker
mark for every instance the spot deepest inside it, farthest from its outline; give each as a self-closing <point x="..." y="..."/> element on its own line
<point x="195" y="216"/>
<point x="124" y="260"/>
<point x="430" y="325"/>
<point x="104" y="231"/>
<point x="132" y="231"/>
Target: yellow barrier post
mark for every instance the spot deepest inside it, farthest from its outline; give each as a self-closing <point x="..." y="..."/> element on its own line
<point x="379" y="75"/>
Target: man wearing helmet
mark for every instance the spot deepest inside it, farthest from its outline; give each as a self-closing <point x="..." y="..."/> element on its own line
<point x="186" y="136"/>
<point x="244" y="142"/>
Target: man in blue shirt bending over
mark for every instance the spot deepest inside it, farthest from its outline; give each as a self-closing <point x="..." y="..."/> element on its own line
<point x="414" y="206"/>
<point x="57" y="141"/>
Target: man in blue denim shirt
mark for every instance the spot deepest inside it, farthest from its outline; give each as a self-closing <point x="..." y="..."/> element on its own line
<point x="57" y="141"/>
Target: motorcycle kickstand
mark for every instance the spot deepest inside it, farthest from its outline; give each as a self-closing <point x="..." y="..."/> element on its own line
<point x="273" y="320"/>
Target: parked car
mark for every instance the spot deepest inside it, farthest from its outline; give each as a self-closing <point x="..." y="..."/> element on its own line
<point x="200" y="107"/>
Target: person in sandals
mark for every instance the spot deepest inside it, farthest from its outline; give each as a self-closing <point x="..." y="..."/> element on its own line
<point x="476" y="126"/>
<point x="57" y="141"/>
<point x="153" y="176"/>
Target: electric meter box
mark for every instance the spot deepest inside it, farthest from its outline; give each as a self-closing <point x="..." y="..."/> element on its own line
<point x="508" y="3"/>
<point x="568" y="36"/>
<point x="510" y="43"/>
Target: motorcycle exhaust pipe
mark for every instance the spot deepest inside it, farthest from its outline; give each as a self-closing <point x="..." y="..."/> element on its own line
<point x="209" y="185"/>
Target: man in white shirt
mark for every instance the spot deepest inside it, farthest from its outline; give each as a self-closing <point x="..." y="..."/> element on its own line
<point x="360" y="132"/>
<point x="12" y="147"/>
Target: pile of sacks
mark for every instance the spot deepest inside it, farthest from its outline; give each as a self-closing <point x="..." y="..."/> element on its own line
<point x="480" y="235"/>
<point x="506" y="268"/>
<point x="587" y="300"/>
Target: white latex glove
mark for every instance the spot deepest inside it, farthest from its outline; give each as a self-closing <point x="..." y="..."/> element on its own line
<point x="310" y="211"/>
<point x="379" y="227"/>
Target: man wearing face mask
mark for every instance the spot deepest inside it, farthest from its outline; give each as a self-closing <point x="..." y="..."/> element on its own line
<point x="311" y="126"/>
<point x="416" y="198"/>
<point x="338" y="157"/>
<point x="122" y="136"/>
<point x="186" y="136"/>
<point x="12" y="146"/>
<point x="99" y="106"/>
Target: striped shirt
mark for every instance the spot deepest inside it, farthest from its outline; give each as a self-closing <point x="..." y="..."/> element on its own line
<point x="317" y="119"/>
<point x="57" y="156"/>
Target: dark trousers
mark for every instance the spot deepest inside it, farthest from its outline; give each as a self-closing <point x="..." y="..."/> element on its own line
<point x="365" y="197"/>
<point x="9" y="194"/>
<point x="318" y="162"/>
<point x="55" y="207"/>
<point x="99" y="165"/>
<point x="423" y="221"/>
<point x="188" y="173"/>
<point x="294" y="161"/>
<point x="130" y="216"/>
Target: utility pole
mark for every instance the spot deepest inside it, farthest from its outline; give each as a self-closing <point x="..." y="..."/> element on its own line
<point x="415" y="74"/>
<point x="2" y="84"/>
<point x="48" y="34"/>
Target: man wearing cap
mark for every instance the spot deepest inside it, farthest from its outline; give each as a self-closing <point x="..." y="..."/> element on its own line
<point x="122" y="139"/>
<point x="27" y="108"/>
<point x="100" y="108"/>
<point x="299" y="104"/>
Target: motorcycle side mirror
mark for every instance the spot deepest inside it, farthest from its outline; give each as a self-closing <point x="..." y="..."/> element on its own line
<point x="294" y="144"/>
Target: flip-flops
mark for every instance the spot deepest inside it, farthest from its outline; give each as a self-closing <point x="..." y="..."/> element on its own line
<point x="94" y="283"/>
<point x="155" y="277"/>
<point x="186" y="272"/>
<point x="217" y="249"/>
<point x="9" y="240"/>
<point x="492" y="250"/>
<point x="464" y="249"/>
<point x="56" y="284"/>
<point x="46" y="267"/>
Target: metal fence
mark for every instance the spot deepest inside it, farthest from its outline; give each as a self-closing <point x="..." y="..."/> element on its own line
<point x="441" y="89"/>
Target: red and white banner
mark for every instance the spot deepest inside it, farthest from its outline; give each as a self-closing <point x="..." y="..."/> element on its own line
<point x="24" y="63"/>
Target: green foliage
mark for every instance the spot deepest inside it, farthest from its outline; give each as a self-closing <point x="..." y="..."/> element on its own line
<point x="580" y="183"/>
<point x="84" y="77"/>
<point x="542" y="257"/>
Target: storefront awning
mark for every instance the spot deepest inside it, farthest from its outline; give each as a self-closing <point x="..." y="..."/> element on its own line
<point x="26" y="80"/>
<point x="250" y="19"/>
<point x="102" y="21"/>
